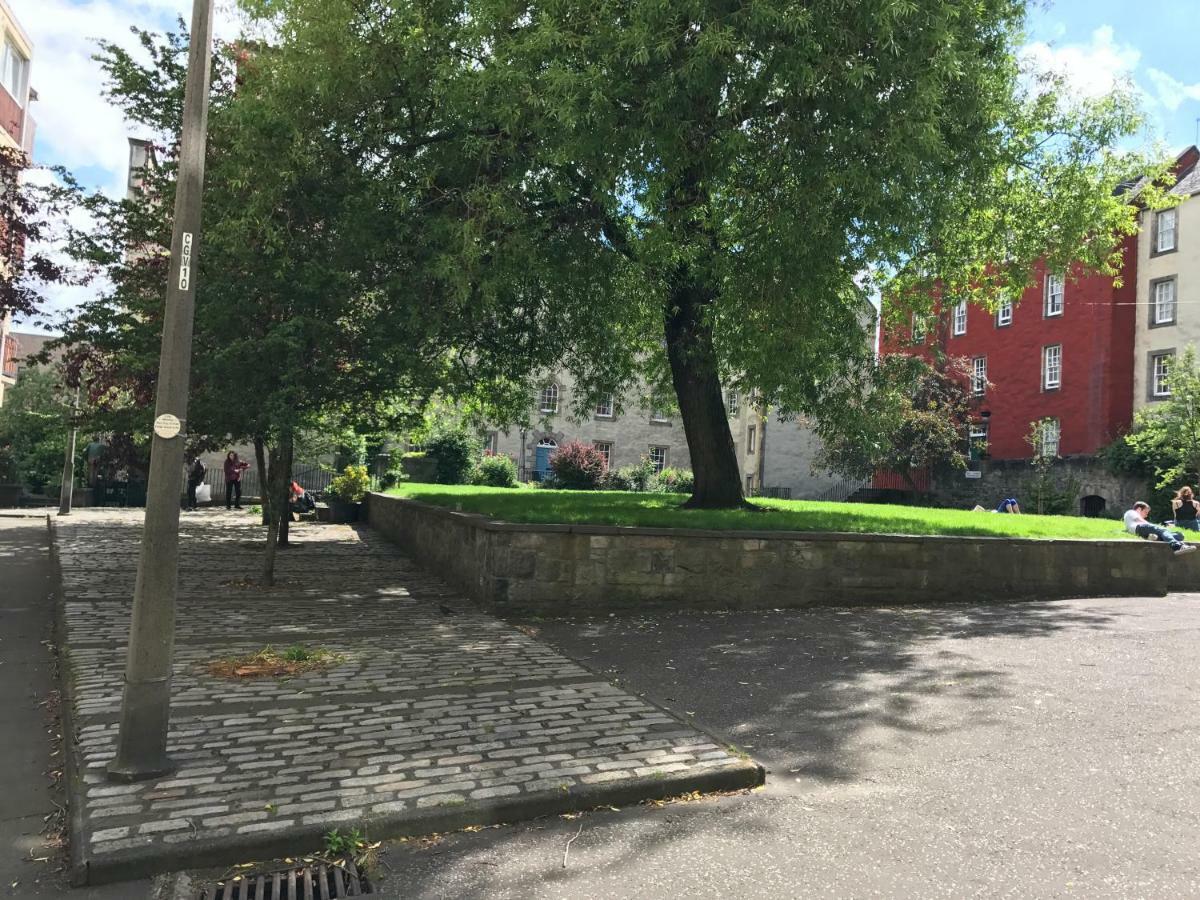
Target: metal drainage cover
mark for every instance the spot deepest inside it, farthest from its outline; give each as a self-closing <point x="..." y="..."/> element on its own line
<point x="317" y="881"/>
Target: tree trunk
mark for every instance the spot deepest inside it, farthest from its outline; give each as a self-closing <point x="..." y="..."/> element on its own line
<point x="271" y="491"/>
<point x="287" y="445"/>
<point x="718" y="480"/>
<point x="264" y="499"/>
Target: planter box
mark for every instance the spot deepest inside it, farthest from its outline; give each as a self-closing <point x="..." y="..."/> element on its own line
<point x="10" y="495"/>
<point x="341" y="512"/>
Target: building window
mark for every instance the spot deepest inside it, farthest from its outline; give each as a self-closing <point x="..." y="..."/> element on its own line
<point x="1054" y="295"/>
<point x="491" y="445"/>
<point x="1162" y="302"/>
<point x="751" y="436"/>
<point x="979" y="375"/>
<point x="978" y="437"/>
<point x="1160" y="374"/>
<point x="960" y="317"/>
<point x="658" y="458"/>
<point x="731" y="402"/>
<point x="14" y="73"/>
<point x="548" y="399"/>
<point x="1004" y="314"/>
<point x="658" y="414"/>
<point x="749" y="485"/>
<point x="604" y="448"/>
<point x="918" y="329"/>
<point x="1052" y="367"/>
<point x="605" y="406"/>
<point x="1050" y="437"/>
<point x="1165" y="223"/>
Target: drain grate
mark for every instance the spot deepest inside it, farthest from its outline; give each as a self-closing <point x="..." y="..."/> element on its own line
<point x="317" y="881"/>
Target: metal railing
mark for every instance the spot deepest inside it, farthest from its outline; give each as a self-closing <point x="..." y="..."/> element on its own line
<point x="842" y="490"/>
<point x="313" y="478"/>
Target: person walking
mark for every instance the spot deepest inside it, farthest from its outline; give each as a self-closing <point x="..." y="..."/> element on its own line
<point x="1186" y="509"/>
<point x="1135" y="523"/>
<point x="195" y="478"/>
<point x="234" y="468"/>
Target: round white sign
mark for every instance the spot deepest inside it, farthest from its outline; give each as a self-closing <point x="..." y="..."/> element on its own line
<point x="166" y="426"/>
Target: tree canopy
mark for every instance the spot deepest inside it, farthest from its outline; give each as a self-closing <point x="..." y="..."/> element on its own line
<point x="698" y="191"/>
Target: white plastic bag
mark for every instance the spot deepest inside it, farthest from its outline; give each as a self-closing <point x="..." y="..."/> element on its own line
<point x="204" y="493"/>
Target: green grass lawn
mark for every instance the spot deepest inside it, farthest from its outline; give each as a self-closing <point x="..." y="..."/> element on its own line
<point x="535" y="506"/>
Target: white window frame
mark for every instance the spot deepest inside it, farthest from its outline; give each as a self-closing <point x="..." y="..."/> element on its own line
<point x="1004" y="314"/>
<point x="1160" y="374"/>
<point x="979" y="376"/>
<point x="1046" y="442"/>
<point x="1052" y="367"/>
<point x="751" y="438"/>
<point x="659" y="415"/>
<point x="606" y="407"/>
<point x="731" y="402"/>
<point x="1160" y="245"/>
<point x="14" y="76"/>
<point x="977" y="432"/>
<point x="605" y="449"/>
<point x="960" y="318"/>
<point x="491" y="444"/>
<point x="1056" y="290"/>
<point x="548" y="398"/>
<point x="1161" y="305"/>
<point x="659" y="457"/>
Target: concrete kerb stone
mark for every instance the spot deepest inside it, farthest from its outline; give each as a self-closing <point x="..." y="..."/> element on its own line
<point x="76" y="856"/>
<point x="199" y="853"/>
<point x="147" y="838"/>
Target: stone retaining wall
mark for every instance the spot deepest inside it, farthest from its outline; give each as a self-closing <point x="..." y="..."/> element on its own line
<point x="564" y="569"/>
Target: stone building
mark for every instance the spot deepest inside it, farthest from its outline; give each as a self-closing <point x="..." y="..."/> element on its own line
<point x="1168" y="285"/>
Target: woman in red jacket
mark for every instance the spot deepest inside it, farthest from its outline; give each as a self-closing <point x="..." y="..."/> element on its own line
<point x="234" y="468"/>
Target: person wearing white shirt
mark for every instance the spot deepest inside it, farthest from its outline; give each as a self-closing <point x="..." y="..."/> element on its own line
<point x="1135" y="523"/>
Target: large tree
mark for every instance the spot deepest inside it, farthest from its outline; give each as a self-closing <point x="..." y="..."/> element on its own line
<point x="704" y="189"/>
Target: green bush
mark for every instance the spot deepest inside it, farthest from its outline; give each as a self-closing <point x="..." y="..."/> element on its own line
<point x="352" y="485"/>
<point x="630" y="478"/>
<point x="453" y="450"/>
<point x="495" y="471"/>
<point x="674" y="481"/>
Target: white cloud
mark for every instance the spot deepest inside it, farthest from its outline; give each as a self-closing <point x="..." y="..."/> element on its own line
<point x="1091" y="69"/>
<point x="77" y="128"/>
<point x="1171" y="92"/>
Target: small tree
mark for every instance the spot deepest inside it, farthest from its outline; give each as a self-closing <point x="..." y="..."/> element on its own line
<point x="1050" y="497"/>
<point x="577" y="467"/>
<point x="904" y="416"/>
<point x="1169" y="432"/>
<point x="33" y="429"/>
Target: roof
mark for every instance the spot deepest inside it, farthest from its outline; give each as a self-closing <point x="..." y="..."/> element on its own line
<point x="1189" y="184"/>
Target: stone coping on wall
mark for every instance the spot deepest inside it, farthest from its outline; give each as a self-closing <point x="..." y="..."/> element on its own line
<point x="488" y="523"/>
<point x="580" y="569"/>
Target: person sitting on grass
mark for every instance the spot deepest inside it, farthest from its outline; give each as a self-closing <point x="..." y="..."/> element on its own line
<point x="1009" y="505"/>
<point x="1135" y="523"/>
<point x="1185" y="509"/>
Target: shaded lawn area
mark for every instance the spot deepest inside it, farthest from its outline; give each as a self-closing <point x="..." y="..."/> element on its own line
<point x="535" y="506"/>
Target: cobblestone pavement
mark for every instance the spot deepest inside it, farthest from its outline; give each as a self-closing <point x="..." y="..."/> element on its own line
<point x="438" y="715"/>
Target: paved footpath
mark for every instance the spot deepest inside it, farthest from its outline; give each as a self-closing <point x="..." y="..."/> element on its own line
<point x="438" y="716"/>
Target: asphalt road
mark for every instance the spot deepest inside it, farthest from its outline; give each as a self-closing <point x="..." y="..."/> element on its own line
<point x="1032" y="750"/>
<point x="28" y="867"/>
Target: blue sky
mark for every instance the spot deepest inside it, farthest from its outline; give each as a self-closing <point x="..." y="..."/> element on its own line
<point x="1095" y="43"/>
<point x="1152" y="43"/>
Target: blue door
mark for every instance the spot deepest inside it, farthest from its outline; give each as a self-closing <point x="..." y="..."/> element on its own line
<point x="541" y="461"/>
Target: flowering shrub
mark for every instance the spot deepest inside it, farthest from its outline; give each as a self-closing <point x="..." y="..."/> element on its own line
<point x="577" y="466"/>
<point x="352" y="485"/>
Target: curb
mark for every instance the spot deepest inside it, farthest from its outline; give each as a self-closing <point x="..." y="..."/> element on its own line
<point x="137" y="863"/>
<point x="77" y="866"/>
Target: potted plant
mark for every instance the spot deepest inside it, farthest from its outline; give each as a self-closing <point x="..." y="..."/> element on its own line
<point x="346" y="492"/>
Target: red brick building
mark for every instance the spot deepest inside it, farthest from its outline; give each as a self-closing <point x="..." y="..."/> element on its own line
<point x="1064" y="352"/>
